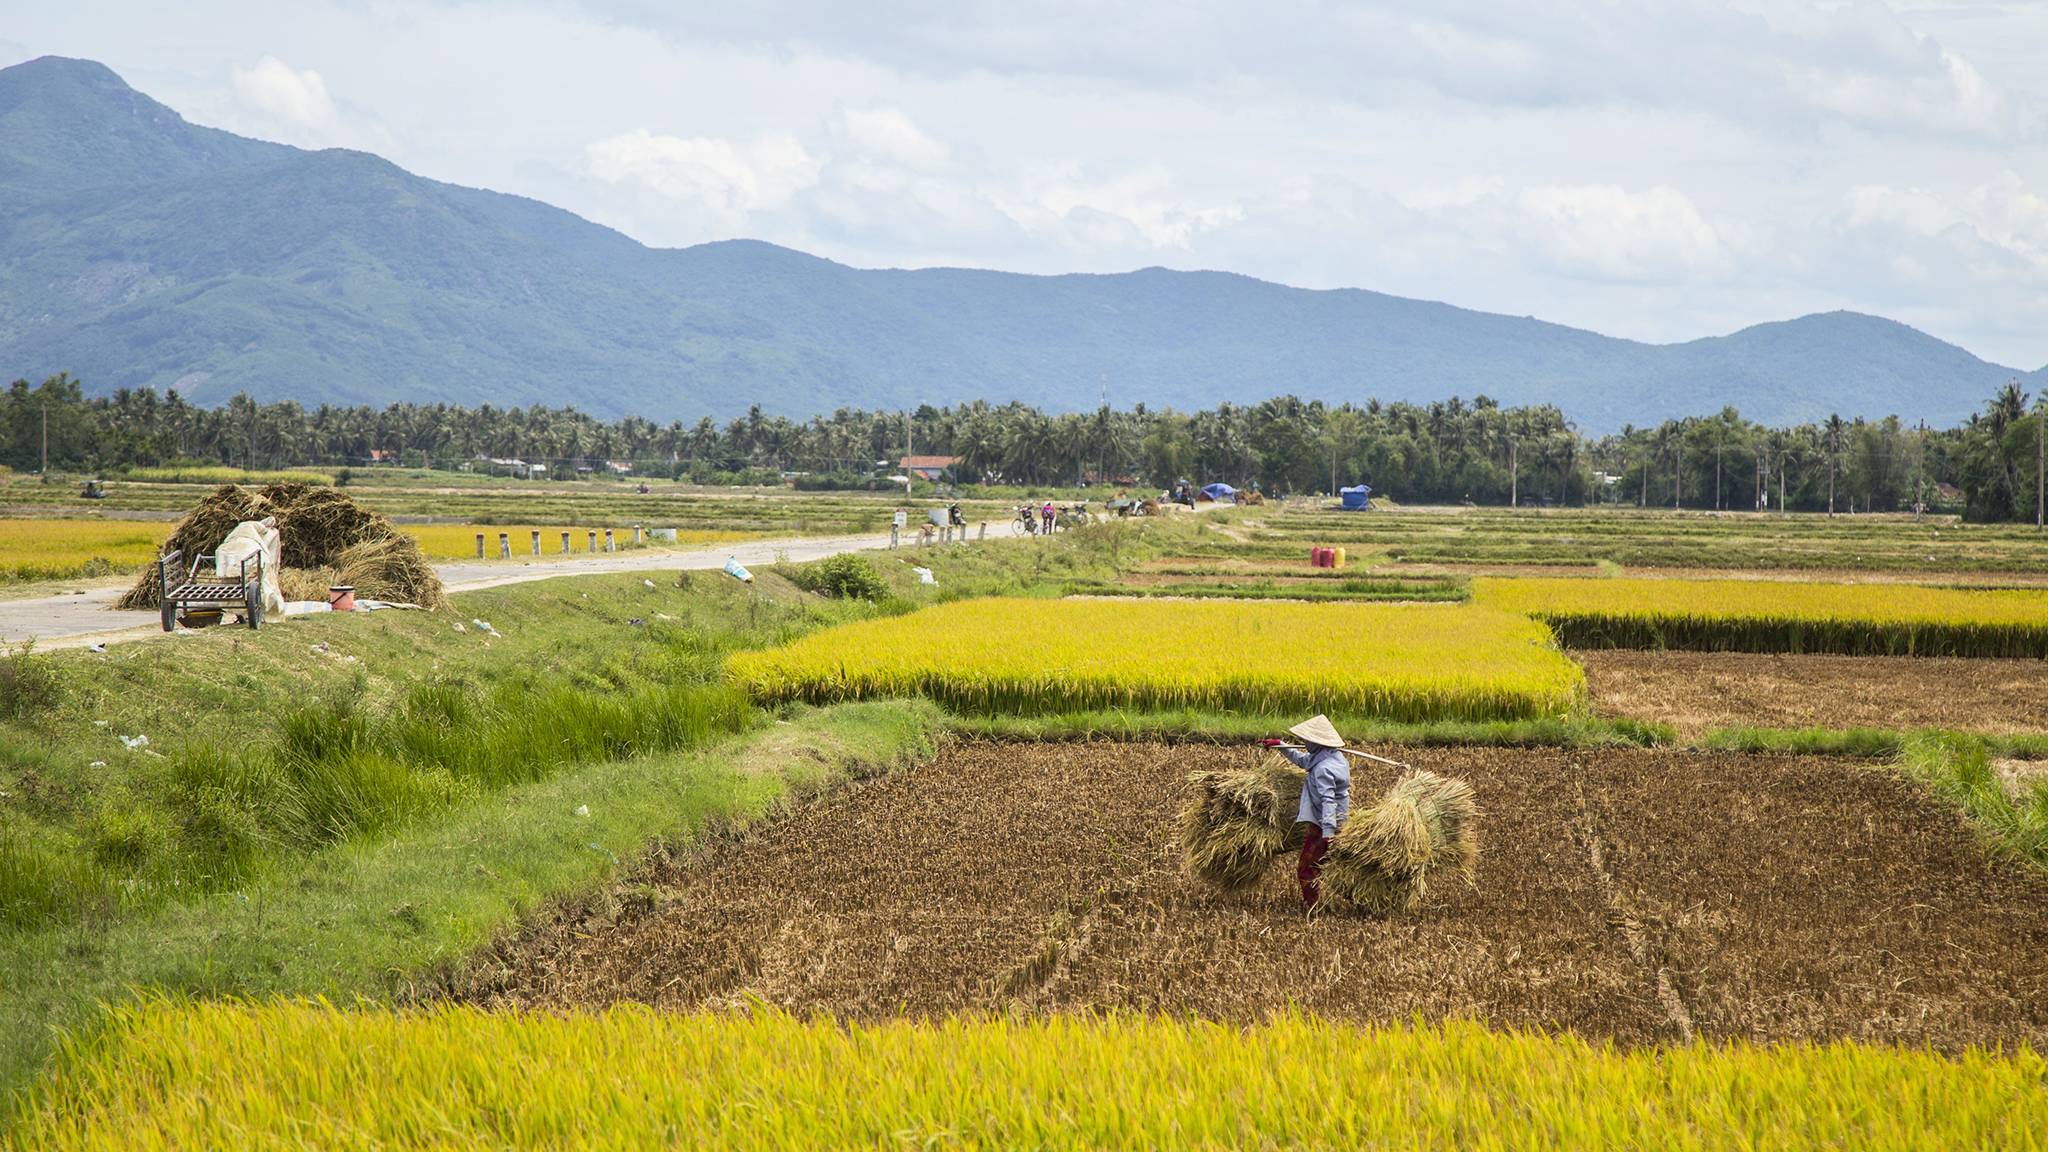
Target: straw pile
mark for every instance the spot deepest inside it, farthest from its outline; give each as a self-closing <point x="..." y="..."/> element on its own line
<point x="1237" y="819"/>
<point x="324" y="537"/>
<point x="1383" y="857"/>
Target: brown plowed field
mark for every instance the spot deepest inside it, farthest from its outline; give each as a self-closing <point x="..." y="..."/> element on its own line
<point x="1694" y="691"/>
<point x="1644" y="896"/>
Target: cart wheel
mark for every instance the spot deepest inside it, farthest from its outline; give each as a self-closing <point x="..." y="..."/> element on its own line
<point x="169" y="608"/>
<point x="254" y="600"/>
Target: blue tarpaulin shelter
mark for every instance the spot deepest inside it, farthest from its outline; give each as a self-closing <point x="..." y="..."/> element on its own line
<point x="1357" y="498"/>
<point x="1218" y="491"/>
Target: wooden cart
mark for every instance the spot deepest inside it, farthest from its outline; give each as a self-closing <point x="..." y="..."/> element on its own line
<point x="198" y="588"/>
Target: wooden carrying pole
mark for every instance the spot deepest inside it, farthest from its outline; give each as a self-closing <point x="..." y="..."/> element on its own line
<point x="1359" y="752"/>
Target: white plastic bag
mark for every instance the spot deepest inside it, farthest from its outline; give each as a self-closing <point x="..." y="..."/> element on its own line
<point x="253" y="538"/>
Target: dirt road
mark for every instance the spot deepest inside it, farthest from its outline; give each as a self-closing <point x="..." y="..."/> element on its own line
<point x="75" y="620"/>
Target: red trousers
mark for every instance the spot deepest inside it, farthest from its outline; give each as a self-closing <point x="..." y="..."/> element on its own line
<point x="1310" y="871"/>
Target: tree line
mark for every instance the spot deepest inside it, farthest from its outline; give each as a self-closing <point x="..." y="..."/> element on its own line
<point x="1449" y="450"/>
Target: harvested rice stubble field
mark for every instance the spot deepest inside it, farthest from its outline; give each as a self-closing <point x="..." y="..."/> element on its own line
<point x="1696" y="691"/>
<point x="1644" y="896"/>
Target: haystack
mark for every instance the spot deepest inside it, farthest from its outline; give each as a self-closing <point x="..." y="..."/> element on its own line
<point x="1383" y="857"/>
<point x="322" y="532"/>
<point x="1237" y="819"/>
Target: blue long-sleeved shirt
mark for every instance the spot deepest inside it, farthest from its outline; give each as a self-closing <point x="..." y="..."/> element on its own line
<point x="1326" y="794"/>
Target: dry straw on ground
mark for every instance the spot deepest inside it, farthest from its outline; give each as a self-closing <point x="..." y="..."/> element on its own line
<point x="1236" y="819"/>
<point x="1383" y="857"/>
<point x="324" y="538"/>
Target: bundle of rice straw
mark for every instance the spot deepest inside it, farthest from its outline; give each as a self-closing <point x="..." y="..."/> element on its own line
<point x="1237" y="819"/>
<point x="321" y="531"/>
<point x="391" y="568"/>
<point x="1382" y="858"/>
<point x="318" y="524"/>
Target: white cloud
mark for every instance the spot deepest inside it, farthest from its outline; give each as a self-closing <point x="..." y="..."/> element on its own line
<point x="273" y="100"/>
<point x="731" y="179"/>
<point x="1609" y="232"/>
<point x="887" y="134"/>
<point x="1134" y="210"/>
<point x="288" y="95"/>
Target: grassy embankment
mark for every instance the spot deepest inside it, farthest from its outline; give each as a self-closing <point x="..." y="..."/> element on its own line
<point x="339" y="805"/>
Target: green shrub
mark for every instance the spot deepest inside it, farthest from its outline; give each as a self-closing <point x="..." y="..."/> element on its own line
<point x="844" y="577"/>
<point x="130" y="839"/>
<point x="221" y="838"/>
<point x="29" y="683"/>
<point x="38" y="886"/>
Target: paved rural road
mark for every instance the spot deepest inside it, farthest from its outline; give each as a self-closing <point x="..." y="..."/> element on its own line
<point x="73" y="621"/>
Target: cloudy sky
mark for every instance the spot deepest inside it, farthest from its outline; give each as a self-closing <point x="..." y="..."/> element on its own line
<point x="1659" y="169"/>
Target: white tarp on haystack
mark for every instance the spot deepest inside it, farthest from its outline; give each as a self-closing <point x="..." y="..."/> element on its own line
<point x="254" y="538"/>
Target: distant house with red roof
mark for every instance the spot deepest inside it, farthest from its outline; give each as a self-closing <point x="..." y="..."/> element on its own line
<point x="927" y="467"/>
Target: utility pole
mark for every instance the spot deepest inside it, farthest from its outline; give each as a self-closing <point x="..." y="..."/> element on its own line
<point x="1718" y="502"/>
<point x="1677" y="459"/>
<point x="45" y="473"/>
<point x="1834" y="446"/>
<point x="2040" y="458"/>
<point x="1514" y="477"/>
<point x="1920" y="473"/>
<point x="1781" y="478"/>
<point x="1102" y="447"/>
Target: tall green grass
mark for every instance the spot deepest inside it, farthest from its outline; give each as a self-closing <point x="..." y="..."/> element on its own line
<point x="339" y="771"/>
<point x="1959" y="769"/>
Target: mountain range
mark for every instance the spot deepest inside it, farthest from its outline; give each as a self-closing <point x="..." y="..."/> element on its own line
<point x="144" y="251"/>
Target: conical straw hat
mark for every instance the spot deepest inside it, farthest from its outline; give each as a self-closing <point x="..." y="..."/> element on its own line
<point x="1317" y="729"/>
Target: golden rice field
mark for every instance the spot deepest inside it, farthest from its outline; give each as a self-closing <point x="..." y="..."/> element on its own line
<point x="1780" y="616"/>
<point x="214" y="474"/>
<point x="60" y="549"/>
<point x="225" y="1075"/>
<point x="1028" y="656"/>
<point x="458" y="541"/>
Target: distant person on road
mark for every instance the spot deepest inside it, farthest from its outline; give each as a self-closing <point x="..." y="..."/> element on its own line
<point x="1046" y="515"/>
<point x="1325" y="797"/>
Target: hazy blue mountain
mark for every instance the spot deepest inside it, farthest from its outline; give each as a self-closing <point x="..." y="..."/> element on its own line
<point x="140" y="250"/>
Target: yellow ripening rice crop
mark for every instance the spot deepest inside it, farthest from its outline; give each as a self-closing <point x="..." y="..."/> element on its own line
<point x="204" y="474"/>
<point x="1780" y="616"/>
<point x="1400" y="662"/>
<point x="163" y="1075"/>
<point x="458" y="541"/>
<point x="59" y="549"/>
